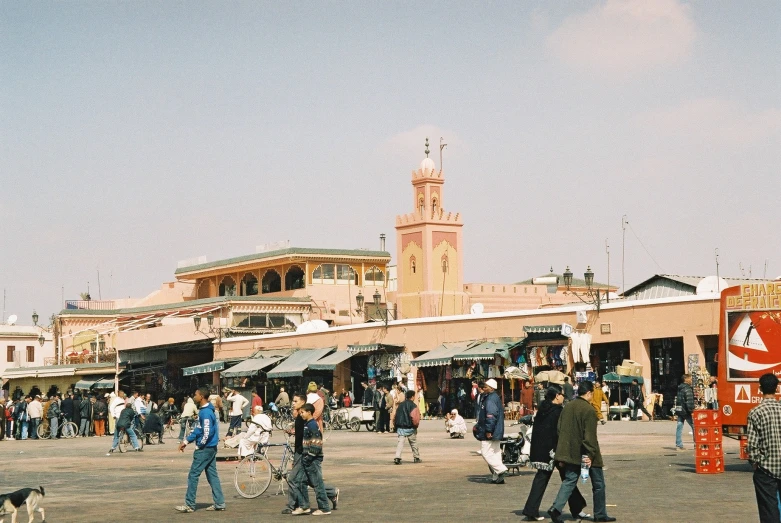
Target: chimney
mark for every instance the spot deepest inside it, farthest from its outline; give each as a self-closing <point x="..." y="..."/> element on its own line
<point x="382" y="242"/>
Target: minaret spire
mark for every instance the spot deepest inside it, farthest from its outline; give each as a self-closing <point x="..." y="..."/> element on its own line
<point x="427" y="151"/>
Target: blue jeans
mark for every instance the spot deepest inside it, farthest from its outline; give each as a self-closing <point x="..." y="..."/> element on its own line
<point x="297" y="492"/>
<point x="235" y="424"/>
<point x="314" y="476"/>
<point x="54" y="425"/>
<point x="204" y="460"/>
<point x="679" y="429"/>
<point x="84" y="429"/>
<point x="34" y="422"/>
<point x="570" y="481"/>
<point x="182" y="424"/>
<point x="24" y="426"/>
<point x="131" y="433"/>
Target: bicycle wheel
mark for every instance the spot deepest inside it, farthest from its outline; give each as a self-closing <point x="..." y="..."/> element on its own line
<point x="173" y="430"/>
<point x="355" y="424"/>
<point x="280" y="422"/>
<point x="69" y="430"/>
<point x="327" y="429"/>
<point x="124" y="442"/>
<point x="252" y="476"/>
<point x="43" y="432"/>
<point x="154" y="438"/>
<point x="140" y="436"/>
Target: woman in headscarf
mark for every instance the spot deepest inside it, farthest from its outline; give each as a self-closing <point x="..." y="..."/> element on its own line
<point x="545" y="436"/>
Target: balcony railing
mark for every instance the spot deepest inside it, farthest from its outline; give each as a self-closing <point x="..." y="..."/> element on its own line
<point x="74" y="359"/>
<point x="95" y="305"/>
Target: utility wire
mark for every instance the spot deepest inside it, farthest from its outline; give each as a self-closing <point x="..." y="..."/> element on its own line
<point x="644" y="247"/>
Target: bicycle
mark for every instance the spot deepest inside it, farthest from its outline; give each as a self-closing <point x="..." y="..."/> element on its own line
<point x="283" y="418"/>
<point x="124" y="440"/>
<point x="254" y="473"/>
<point x="66" y="429"/>
<point x="341" y="419"/>
<point x="173" y="426"/>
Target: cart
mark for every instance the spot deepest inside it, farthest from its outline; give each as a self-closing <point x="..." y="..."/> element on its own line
<point x="353" y="417"/>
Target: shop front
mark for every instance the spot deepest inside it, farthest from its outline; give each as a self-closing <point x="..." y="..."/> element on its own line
<point x="546" y="348"/>
<point x="445" y="373"/>
<point x="252" y="375"/>
<point x="294" y="373"/>
<point x="667" y="367"/>
<point x="380" y="363"/>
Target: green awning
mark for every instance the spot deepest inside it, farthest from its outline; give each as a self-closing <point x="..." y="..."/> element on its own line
<point x="104" y="383"/>
<point x="486" y="351"/>
<point x="212" y="366"/>
<point x="612" y="377"/>
<point x="542" y="329"/>
<point x="250" y="367"/>
<point x="442" y="355"/>
<point x="298" y="362"/>
<point x="331" y="361"/>
<point x="87" y="382"/>
<point x="374" y="347"/>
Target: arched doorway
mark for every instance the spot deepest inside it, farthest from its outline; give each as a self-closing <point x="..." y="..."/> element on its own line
<point x="249" y="285"/>
<point x="272" y="282"/>
<point x="227" y="287"/>
<point x="294" y="278"/>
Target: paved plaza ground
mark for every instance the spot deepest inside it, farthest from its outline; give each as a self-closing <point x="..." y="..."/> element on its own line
<point x="647" y="480"/>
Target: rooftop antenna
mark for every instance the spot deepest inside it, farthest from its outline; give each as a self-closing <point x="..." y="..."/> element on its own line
<point x="607" y="250"/>
<point x="624" y="223"/>
<point x="718" y="283"/>
<point x="100" y="297"/>
<point x="764" y="273"/>
<point x="2" y="320"/>
<point x="442" y="145"/>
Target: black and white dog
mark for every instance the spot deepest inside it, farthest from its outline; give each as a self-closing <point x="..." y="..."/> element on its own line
<point x="10" y="503"/>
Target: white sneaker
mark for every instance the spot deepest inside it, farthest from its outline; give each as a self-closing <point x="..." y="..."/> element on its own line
<point x="300" y="511"/>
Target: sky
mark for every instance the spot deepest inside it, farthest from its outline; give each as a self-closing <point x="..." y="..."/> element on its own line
<point x="137" y="134"/>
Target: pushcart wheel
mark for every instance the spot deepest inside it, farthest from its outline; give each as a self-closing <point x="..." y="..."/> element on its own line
<point x="371" y="426"/>
<point x="355" y="424"/>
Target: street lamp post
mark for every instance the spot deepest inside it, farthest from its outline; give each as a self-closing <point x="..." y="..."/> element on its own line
<point x="382" y="313"/>
<point x="592" y="295"/>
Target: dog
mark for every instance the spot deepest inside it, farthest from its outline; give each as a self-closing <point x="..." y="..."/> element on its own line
<point x="10" y="503"/>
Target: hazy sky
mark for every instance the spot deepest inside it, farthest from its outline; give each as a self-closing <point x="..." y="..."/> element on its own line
<point x="134" y="135"/>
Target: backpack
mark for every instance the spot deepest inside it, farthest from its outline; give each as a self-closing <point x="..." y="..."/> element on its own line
<point x="347" y="402"/>
<point x="414" y="416"/>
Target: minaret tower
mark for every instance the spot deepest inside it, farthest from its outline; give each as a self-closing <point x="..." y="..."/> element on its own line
<point x="429" y="250"/>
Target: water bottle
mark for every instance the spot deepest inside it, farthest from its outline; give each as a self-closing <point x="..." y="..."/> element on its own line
<point x="583" y="469"/>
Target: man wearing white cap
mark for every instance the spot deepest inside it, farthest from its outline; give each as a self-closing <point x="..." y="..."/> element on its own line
<point x="489" y="430"/>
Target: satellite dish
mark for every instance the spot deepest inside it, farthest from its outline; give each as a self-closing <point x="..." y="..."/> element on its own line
<point x="711" y="284"/>
<point x="12" y="319"/>
<point x="305" y="328"/>
<point x="319" y="325"/>
<point x="477" y="308"/>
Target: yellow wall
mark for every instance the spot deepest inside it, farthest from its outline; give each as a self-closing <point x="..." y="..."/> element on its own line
<point x="413" y="282"/>
<point x="448" y="304"/>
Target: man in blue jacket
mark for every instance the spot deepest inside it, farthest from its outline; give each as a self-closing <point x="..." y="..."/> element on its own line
<point x="205" y="437"/>
<point x="489" y="430"/>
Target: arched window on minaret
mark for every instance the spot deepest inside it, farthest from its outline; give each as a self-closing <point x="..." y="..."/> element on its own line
<point x="434" y="206"/>
<point x="445" y="264"/>
<point x="412" y="264"/>
<point x="421" y="205"/>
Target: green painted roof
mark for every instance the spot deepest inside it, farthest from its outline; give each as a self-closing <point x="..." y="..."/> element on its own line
<point x="78" y="366"/>
<point x="182" y="305"/>
<point x="291" y="251"/>
<point x="576" y="282"/>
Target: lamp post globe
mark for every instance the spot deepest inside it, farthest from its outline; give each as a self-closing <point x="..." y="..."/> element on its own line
<point x="210" y="319"/>
<point x="197" y="322"/>
<point x="359" y="300"/>
<point x="589" y="277"/>
<point x="35" y="318"/>
<point x="567" y="278"/>
<point x="41" y="340"/>
<point x="377" y="297"/>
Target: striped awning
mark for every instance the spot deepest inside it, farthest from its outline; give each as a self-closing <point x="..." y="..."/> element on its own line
<point x="87" y="382"/>
<point x="442" y="355"/>
<point x="212" y="366"/>
<point x="250" y="367"/>
<point x="542" y="329"/>
<point x="486" y="350"/>
<point x="374" y="347"/>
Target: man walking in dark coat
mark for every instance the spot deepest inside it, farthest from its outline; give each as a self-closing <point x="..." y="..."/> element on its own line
<point x="578" y="438"/>
<point x="685" y="401"/>
<point x="406" y="422"/>
<point x="67" y="407"/>
<point x="544" y="439"/>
